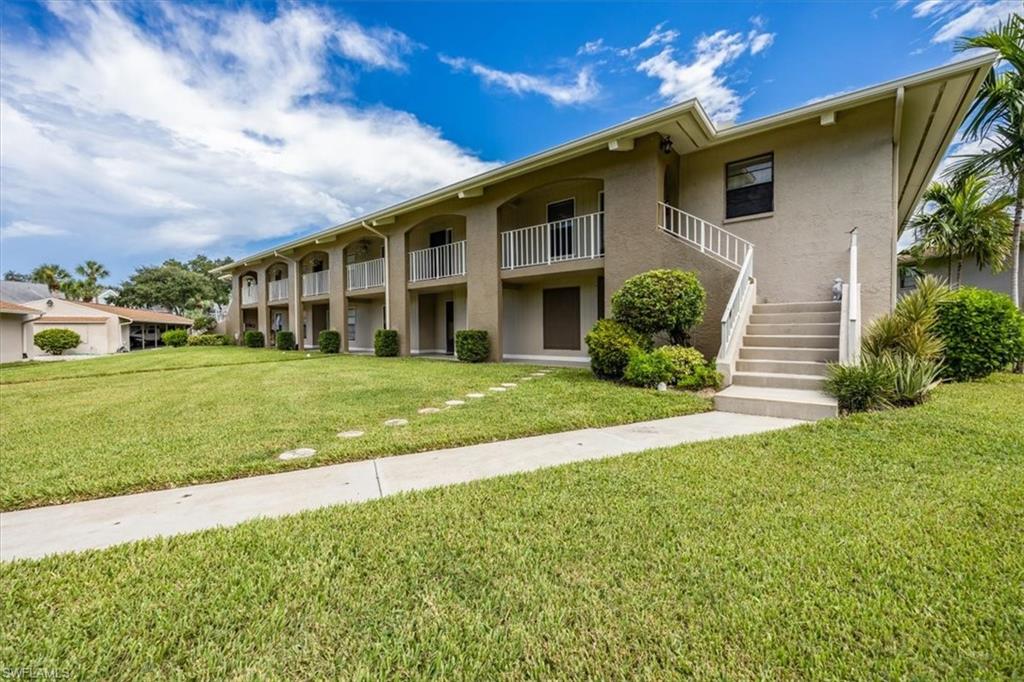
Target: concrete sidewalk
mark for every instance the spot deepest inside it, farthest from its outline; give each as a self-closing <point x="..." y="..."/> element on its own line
<point x="101" y="523"/>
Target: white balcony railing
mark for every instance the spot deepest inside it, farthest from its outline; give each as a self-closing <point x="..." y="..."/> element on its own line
<point x="277" y="290"/>
<point x="316" y="283"/>
<point x="437" y="262"/>
<point x="366" y="275"/>
<point x="709" y="239"/>
<point x="576" y="238"/>
<point x="249" y="294"/>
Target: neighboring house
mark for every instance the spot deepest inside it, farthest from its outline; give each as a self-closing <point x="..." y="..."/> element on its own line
<point x="107" y="295"/>
<point x="23" y="292"/>
<point x="13" y="318"/>
<point x="104" y="328"/>
<point x="971" y="275"/>
<point x="532" y="251"/>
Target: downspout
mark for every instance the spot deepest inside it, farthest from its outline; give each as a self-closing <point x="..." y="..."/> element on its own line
<point x="387" y="275"/>
<point x="897" y="127"/>
<point x="24" y="350"/>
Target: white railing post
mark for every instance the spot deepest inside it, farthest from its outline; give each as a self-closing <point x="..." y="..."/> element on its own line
<point x="851" y="320"/>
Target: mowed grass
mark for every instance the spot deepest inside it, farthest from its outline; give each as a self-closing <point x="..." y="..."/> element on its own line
<point x="880" y="546"/>
<point x="114" y="432"/>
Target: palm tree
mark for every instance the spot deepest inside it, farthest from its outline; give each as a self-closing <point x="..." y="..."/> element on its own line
<point x="997" y="116"/>
<point x="92" y="272"/>
<point x="50" y="274"/>
<point x="964" y="222"/>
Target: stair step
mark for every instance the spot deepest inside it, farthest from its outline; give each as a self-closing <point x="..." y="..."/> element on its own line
<point x="798" y="307"/>
<point x="789" y="353"/>
<point x="792" y="341"/>
<point x="799" y="328"/>
<point x="791" y="317"/>
<point x="776" y="402"/>
<point x="778" y="380"/>
<point x="810" y="368"/>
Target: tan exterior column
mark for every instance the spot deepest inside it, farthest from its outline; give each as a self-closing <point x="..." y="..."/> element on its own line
<point x="483" y="276"/>
<point x="295" y="301"/>
<point x="262" y="308"/>
<point x="398" y="290"/>
<point x="233" y="320"/>
<point x="338" y="301"/>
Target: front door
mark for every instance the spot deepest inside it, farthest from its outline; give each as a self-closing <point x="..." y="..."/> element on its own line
<point x="449" y="327"/>
<point x="560" y="215"/>
<point x="562" y="318"/>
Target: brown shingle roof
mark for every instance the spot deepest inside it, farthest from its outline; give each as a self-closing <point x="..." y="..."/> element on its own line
<point x="8" y="307"/>
<point x="71" y="319"/>
<point x="138" y="314"/>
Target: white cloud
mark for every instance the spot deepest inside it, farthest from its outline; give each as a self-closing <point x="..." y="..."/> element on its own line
<point x="581" y="89"/>
<point x="223" y="129"/>
<point x="22" y="228"/>
<point x="592" y="47"/>
<point x="953" y="19"/>
<point x="659" y="35"/>
<point x="702" y="77"/>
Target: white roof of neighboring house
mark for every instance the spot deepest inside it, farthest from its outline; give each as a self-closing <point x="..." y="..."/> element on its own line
<point x="90" y="310"/>
<point x="929" y="108"/>
<point x="23" y="292"/>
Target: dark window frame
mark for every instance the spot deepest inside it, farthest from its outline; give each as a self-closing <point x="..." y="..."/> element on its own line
<point x="729" y="213"/>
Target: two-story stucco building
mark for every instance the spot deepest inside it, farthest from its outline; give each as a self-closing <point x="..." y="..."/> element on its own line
<point x="764" y="212"/>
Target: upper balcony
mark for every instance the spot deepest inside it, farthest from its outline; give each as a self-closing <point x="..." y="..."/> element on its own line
<point x="438" y="262"/>
<point x="365" y="275"/>
<point x="577" y="238"/>
<point x="316" y="283"/>
<point x="277" y="290"/>
<point x="249" y="288"/>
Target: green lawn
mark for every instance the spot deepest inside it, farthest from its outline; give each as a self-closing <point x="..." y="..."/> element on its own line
<point x="883" y="545"/>
<point x="178" y="416"/>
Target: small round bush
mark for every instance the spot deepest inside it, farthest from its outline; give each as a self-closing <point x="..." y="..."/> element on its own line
<point x="472" y="345"/>
<point x="689" y="368"/>
<point x="647" y="369"/>
<point x="609" y="344"/>
<point x="983" y="332"/>
<point x="207" y="340"/>
<point x="385" y="343"/>
<point x="670" y="301"/>
<point x="56" y="341"/>
<point x="329" y="341"/>
<point x="859" y="387"/>
<point x="253" y="339"/>
<point x="285" y="340"/>
<point x="174" y="337"/>
<point x="203" y="323"/>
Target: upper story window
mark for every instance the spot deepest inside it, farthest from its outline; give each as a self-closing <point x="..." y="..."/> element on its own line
<point x="750" y="186"/>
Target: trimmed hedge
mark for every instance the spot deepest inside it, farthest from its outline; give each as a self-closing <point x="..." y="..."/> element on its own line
<point x="174" y="337"/>
<point x="253" y="339"/>
<point x="647" y="369"/>
<point x="670" y="301"/>
<point x="56" y="341"/>
<point x="609" y="344"/>
<point x="385" y="343"/>
<point x="689" y="368"/>
<point x="983" y="332"/>
<point x="472" y="345"/>
<point x="857" y="388"/>
<point x="208" y="340"/>
<point x="285" y="340"/>
<point x="329" y="341"/>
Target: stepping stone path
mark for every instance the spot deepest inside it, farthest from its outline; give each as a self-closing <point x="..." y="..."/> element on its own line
<point x="396" y="422"/>
<point x="429" y="410"/>
<point x="526" y="378"/>
<point x="454" y="403"/>
<point x="537" y="374"/>
<point x="475" y="395"/>
<point x="497" y="389"/>
<point x="297" y="453"/>
<point x="509" y="385"/>
<point x="349" y="434"/>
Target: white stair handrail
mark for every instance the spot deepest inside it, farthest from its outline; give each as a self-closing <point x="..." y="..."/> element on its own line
<point x="709" y="239"/>
<point x="733" y="309"/>
<point x="850" y="327"/>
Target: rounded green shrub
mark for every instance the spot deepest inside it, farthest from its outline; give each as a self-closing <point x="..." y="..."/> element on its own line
<point x="285" y="340"/>
<point x="859" y="387"/>
<point x="174" y="337"/>
<point x="647" y="369"/>
<point x="472" y="345"/>
<point x="670" y="301"/>
<point x="329" y="341"/>
<point x="609" y="344"/>
<point x="385" y="343"/>
<point x="56" y="341"/>
<point x="253" y="339"/>
<point x="982" y="331"/>
<point x="689" y="368"/>
<point x="207" y="340"/>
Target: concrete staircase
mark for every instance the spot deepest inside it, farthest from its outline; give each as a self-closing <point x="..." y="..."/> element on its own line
<point x="781" y="366"/>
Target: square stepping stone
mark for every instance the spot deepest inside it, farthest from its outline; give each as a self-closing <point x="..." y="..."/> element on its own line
<point x="297" y="453"/>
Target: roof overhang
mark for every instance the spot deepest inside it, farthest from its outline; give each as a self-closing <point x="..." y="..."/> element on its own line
<point x="933" y="104"/>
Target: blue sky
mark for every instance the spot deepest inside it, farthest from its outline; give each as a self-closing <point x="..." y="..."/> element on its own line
<point x="130" y="133"/>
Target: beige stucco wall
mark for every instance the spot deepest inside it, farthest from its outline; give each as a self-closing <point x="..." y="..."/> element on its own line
<point x="369" y="318"/>
<point x="828" y="179"/>
<point x="524" y="316"/>
<point x="973" y="276"/>
<point x="97" y="339"/>
<point x="427" y="320"/>
<point x="12" y="337"/>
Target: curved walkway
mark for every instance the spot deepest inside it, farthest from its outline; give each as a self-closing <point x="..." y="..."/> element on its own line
<point x="101" y="523"/>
